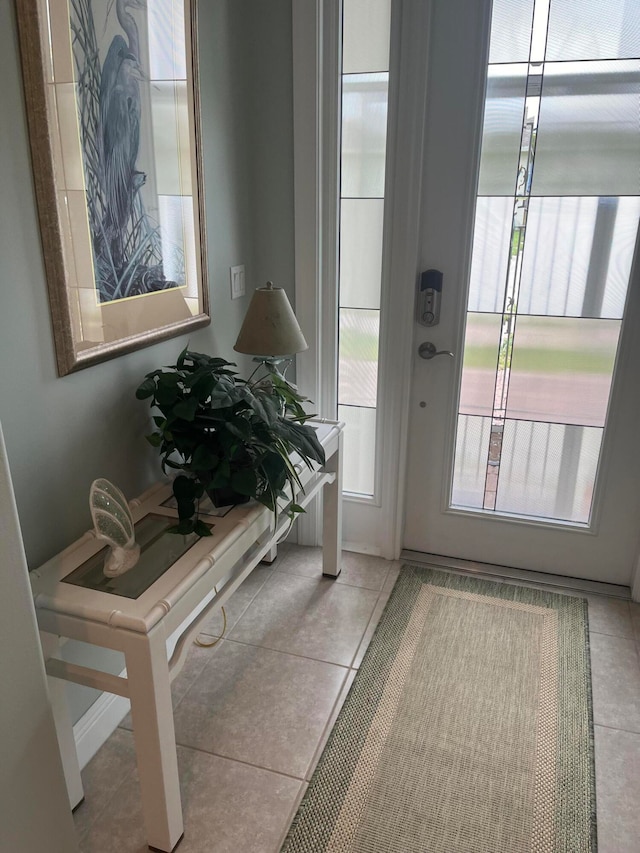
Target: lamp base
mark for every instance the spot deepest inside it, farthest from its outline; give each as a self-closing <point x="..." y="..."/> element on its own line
<point x="274" y="363"/>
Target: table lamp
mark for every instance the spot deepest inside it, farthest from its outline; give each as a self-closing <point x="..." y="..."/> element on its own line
<point x="270" y="331"/>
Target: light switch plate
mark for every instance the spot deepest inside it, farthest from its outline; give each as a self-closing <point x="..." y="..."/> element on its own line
<point x="237" y="281"/>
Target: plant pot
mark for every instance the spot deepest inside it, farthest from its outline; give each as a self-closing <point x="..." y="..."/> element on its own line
<point x="226" y="497"/>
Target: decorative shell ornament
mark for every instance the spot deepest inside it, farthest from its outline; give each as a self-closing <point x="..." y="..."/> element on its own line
<point x="113" y="522"/>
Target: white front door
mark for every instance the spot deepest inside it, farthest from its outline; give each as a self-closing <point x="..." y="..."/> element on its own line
<point x="522" y="448"/>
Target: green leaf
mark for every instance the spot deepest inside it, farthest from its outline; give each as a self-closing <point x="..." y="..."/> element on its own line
<point x="186" y="509"/>
<point x="181" y="357"/>
<point x="240" y="427"/>
<point x="185" y="488"/>
<point x="245" y="481"/>
<point x="226" y="394"/>
<point x="203" y="386"/>
<point x="295" y="508"/>
<point x="169" y="463"/>
<point x="265" y="406"/>
<point x="169" y="379"/>
<point x="201" y="528"/>
<point x="222" y="475"/>
<point x="186" y="409"/>
<point x="275" y="470"/>
<point x="203" y="459"/>
<point x="166" y="395"/>
<point x="155" y="439"/>
<point x="184" y="527"/>
<point x="302" y="438"/>
<point x="146" y="389"/>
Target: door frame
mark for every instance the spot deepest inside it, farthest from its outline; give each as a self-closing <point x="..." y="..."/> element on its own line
<point x="370" y="525"/>
<point x="442" y="381"/>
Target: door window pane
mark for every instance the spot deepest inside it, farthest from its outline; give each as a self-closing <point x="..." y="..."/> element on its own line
<point x="502" y="129"/>
<point x="587" y="141"/>
<point x="358" y="367"/>
<point x="555" y="234"/>
<point x="577" y="256"/>
<point x="365" y="91"/>
<point x="561" y="369"/>
<point x="470" y="473"/>
<point x="359" y="449"/>
<point x="365" y="35"/>
<point x="490" y="257"/>
<point x="364" y="134"/>
<point x="548" y="470"/>
<point x="361" y="252"/>
<point x="593" y="29"/>
<point x="481" y="346"/>
<point x="510" y="30"/>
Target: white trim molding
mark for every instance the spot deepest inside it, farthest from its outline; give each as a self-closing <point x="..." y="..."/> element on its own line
<point x="316" y="92"/>
<point x="372" y="526"/>
<point x="98" y="723"/>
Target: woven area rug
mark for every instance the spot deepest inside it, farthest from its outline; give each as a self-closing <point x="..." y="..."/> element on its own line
<point x="468" y="728"/>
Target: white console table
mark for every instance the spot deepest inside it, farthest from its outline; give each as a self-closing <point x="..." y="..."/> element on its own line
<point x="176" y="602"/>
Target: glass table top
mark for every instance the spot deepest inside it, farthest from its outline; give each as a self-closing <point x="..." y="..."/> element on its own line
<point x="159" y="550"/>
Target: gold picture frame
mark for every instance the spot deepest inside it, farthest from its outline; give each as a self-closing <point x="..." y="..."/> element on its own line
<point x="111" y="89"/>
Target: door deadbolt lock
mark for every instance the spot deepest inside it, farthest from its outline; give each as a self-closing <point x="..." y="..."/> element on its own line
<point x="429" y="294"/>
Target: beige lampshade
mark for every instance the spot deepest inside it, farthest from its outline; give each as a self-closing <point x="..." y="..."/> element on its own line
<point x="270" y="327"/>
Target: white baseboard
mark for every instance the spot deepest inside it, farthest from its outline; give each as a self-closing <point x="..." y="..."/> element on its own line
<point x="98" y="723"/>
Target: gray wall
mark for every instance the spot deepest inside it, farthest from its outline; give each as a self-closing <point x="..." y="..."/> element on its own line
<point x="61" y="433"/>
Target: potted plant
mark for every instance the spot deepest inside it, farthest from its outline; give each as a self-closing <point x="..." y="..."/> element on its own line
<point x="231" y="438"/>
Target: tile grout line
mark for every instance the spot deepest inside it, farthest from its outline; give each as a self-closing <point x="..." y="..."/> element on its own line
<point x="619" y="636"/>
<point x="373" y="612"/>
<point x="241" y="761"/>
<point x="327" y="725"/>
<point x="336" y="580"/>
<point x="616" y="729"/>
<point x="292" y="813"/>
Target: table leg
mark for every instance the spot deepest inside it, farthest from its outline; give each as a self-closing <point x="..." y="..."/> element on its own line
<point x="332" y="517"/>
<point x="63" y="724"/>
<point x="271" y="555"/>
<point x="154" y="736"/>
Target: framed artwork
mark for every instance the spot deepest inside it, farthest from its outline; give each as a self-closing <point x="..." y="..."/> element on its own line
<point x="111" y="88"/>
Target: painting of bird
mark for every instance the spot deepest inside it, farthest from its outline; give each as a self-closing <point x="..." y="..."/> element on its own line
<point x="127" y="244"/>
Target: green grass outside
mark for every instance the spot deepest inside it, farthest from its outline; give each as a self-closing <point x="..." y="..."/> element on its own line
<point x="542" y="361"/>
<point x="358" y="345"/>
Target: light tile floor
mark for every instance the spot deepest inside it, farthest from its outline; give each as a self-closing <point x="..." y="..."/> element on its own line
<point x="252" y="714"/>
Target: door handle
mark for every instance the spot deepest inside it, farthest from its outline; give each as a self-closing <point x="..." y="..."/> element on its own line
<point x="428" y="350"/>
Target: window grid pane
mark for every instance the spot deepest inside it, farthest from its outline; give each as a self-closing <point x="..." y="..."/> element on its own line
<point x="359" y="449"/>
<point x="358" y="368"/>
<point x="549" y="471"/>
<point x="361" y="221"/>
<point x="364" y="134"/>
<point x="365" y="86"/>
<point x="555" y="230"/>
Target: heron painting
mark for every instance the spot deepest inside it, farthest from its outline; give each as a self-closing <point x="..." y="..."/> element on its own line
<point x="112" y="101"/>
<point x="111" y="81"/>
